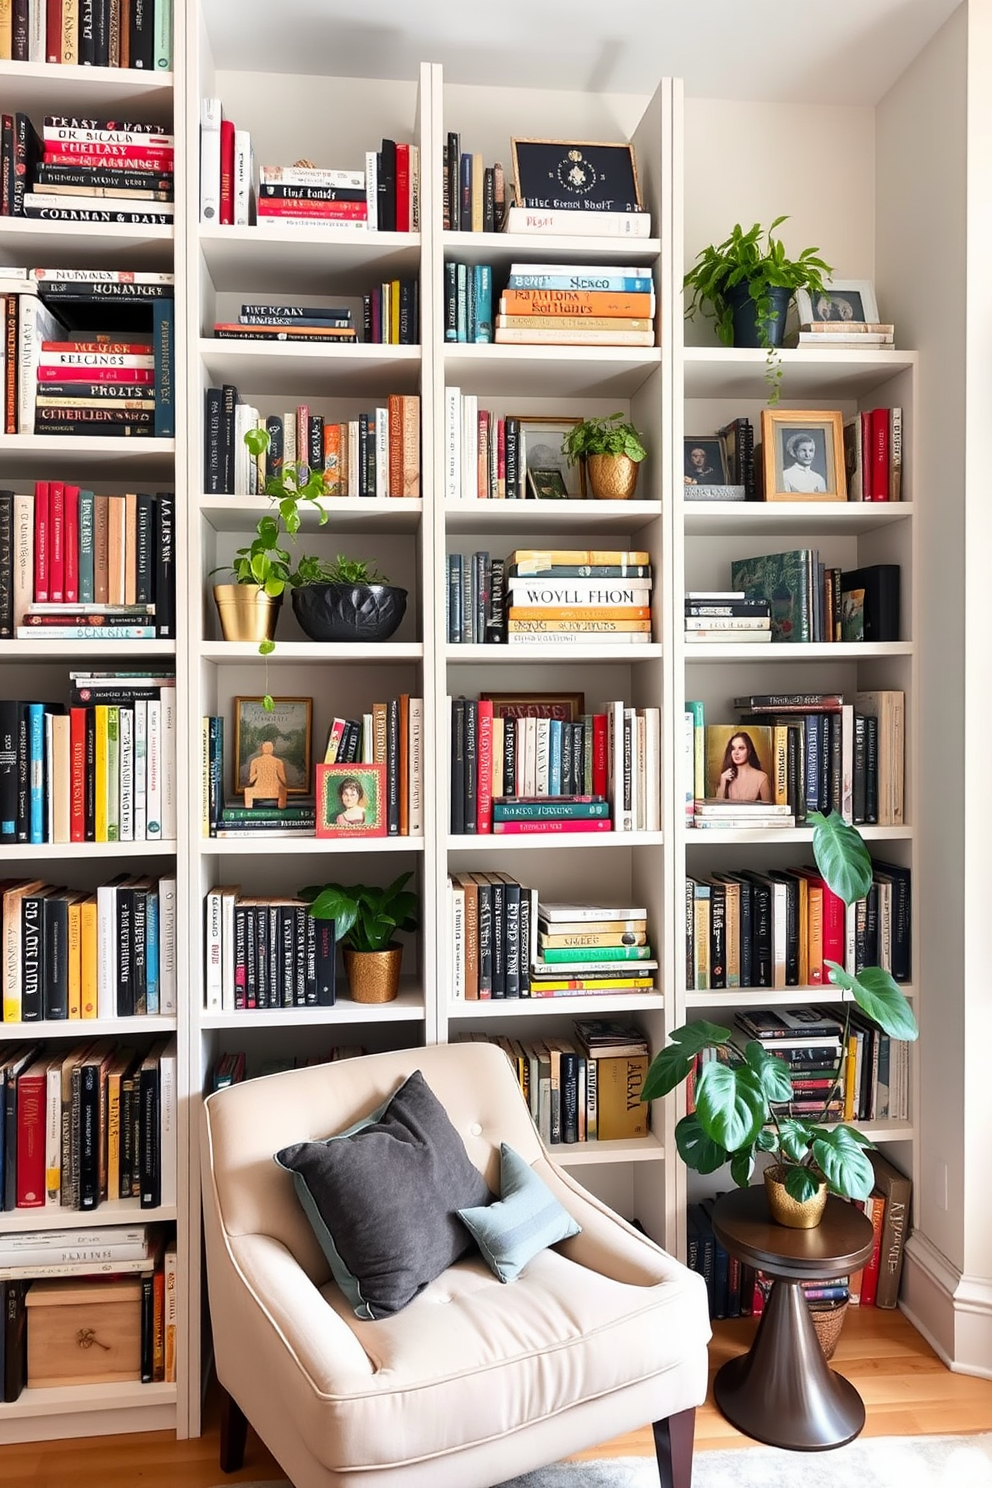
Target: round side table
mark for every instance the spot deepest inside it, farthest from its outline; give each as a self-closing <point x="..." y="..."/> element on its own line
<point x="782" y="1391"/>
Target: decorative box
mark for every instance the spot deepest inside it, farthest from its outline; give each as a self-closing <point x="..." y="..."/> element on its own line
<point x="84" y="1330"/>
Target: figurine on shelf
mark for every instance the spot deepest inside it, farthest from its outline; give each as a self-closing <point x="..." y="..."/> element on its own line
<point x="266" y="777"/>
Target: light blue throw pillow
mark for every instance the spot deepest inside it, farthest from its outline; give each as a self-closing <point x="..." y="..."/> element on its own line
<point x="526" y="1219"/>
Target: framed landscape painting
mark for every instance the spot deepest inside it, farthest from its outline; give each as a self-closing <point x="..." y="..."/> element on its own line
<point x="272" y="747"/>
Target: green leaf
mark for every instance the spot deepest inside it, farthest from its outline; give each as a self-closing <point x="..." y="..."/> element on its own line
<point x="730" y="1104"/>
<point x="842" y="1161"/>
<point x="257" y="441"/>
<point x="698" y="1151"/>
<point x="332" y="904"/>
<point x="795" y="1138"/>
<point x="882" y="999"/>
<point x="766" y="1140"/>
<point x="265" y="648"/>
<point x="772" y="1072"/>
<point x="673" y="1063"/>
<point x="841" y="856"/>
<point x="742" y="1166"/>
<point x="801" y="1183"/>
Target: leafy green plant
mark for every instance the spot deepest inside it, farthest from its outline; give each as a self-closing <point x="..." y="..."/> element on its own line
<point x="737" y="1092"/>
<point x="761" y="264"/>
<point x="603" y="436"/>
<point x="366" y="919"/>
<point x="340" y="570"/>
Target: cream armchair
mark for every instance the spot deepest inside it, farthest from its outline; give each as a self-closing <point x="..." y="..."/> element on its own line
<point x="473" y="1382"/>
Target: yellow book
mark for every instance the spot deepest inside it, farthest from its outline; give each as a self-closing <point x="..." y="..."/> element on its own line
<point x="803" y="917"/>
<point x="394" y="312"/>
<point x="780" y="760"/>
<point x="814" y="921"/>
<point x="102" y="712"/>
<point x="478" y="175"/>
<point x="74" y="967"/>
<point x="850" y="1064"/>
<point x="6" y="30"/>
<point x="88" y="957"/>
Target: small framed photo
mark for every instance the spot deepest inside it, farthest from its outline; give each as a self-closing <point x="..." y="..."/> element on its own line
<point x="802" y="452"/>
<point x="568" y="706"/>
<point x="272" y="750"/>
<point x="842" y="302"/>
<point x="546" y="485"/>
<point x="739" y="763"/>
<point x="589" y="174"/>
<point x="351" y="800"/>
<point x="541" y="440"/>
<point x="705" y="462"/>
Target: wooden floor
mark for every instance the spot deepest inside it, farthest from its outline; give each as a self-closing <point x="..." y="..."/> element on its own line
<point x="905" y="1387"/>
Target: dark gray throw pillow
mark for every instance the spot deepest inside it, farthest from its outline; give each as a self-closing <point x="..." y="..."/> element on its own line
<point x="383" y="1198"/>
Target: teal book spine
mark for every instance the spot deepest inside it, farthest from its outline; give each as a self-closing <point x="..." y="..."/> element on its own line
<point x="163" y="341"/>
<point x="482" y="318"/>
<point x="36" y="772"/>
<point x="550" y="810"/>
<point x="569" y="954"/>
<point x="86" y="594"/>
<point x="163" y="36"/>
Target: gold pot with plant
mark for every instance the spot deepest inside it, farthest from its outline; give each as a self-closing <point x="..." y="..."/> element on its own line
<point x="366" y="919"/>
<point x="611" y="451"/>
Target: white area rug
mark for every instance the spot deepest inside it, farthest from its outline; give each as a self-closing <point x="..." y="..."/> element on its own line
<point x="881" y="1462"/>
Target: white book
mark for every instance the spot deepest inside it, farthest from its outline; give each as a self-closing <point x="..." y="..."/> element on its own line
<point x="211" y="114"/>
<point x="41" y="774"/>
<point x="23" y="556"/>
<point x="640" y="761"/>
<point x="140" y="768"/>
<point x="35" y="323"/>
<point x="77" y="1268"/>
<point x="382" y="452"/>
<point x="243" y="158"/>
<point x="584" y="271"/>
<point x="37" y="201"/>
<point x="469" y="448"/>
<point x="168" y="1114"/>
<point x="368" y="741"/>
<point x="213" y="950"/>
<point x="53" y="1140"/>
<point x="652" y="769"/>
<point x="414" y="188"/>
<point x="97" y="1237"/>
<point x="353" y="460"/>
<point x="37" y="31"/>
<point x="312" y="175"/>
<point x="578" y="224"/>
<point x="167" y="973"/>
<point x="452" y="443"/>
<point x="415" y="793"/>
<point x="542" y="756"/>
<point x="72" y="1255"/>
<point x="779" y="914"/>
<point x="228" y="899"/>
<point x="371" y="190"/>
<point x="689" y="765"/>
<point x="245" y="418"/>
<point x="106" y="945"/>
<point x="456" y="920"/>
<point x="170" y="1267"/>
<point x="170" y="824"/>
<point x="530" y="756"/>
<point x="551" y="638"/>
<point x="629" y="815"/>
<point x="125" y="726"/>
<point x="154" y="771"/>
<point x="566" y="913"/>
<point x="578" y="591"/>
<point x="614" y="761"/>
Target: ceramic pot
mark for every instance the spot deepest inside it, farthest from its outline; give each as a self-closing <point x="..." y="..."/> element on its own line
<point x="612" y="477"/>
<point x="746" y="325"/>
<point x="785" y="1210"/>
<point x="349" y="612"/>
<point x="373" y="976"/>
<point x="246" y="613"/>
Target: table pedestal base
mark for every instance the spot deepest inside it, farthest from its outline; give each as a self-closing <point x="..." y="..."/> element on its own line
<point x="782" y="1391"/>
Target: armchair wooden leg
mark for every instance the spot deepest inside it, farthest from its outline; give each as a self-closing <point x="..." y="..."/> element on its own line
<point x="673" y="1447"/>
<point x="233" y="1435"/>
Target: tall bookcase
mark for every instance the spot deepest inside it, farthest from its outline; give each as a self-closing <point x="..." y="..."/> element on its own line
<point x="665" y="390"/>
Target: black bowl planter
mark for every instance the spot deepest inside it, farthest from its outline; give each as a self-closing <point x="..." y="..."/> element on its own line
<point x="349" y="612"/>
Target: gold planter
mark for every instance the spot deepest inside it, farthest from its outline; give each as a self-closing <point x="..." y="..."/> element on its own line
<point x="246" y="612"/>
<point x="612" y="477"/>
<point x="785" y="1210"/>
<point x="373" y="976"/>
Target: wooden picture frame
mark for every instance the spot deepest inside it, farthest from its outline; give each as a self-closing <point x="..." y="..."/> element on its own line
<point x="541" y="438"/>
<point x="802" y="454"/>
<point x="578" y="175"/>
<point x="351" y="801"/>
<point x="288" y="729"/>
<point x="568" y="706"/>
<point x="843" y="302"/>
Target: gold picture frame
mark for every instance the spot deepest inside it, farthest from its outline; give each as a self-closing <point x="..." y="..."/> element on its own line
<point x="802" y="454"/>
<point x="568" y="706"/>
<point x="582" y="175"/>
<point x="541" y="437"/>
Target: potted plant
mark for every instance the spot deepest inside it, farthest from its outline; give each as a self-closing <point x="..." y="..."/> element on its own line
<point x="610" y="450"/>
<point x="737" y="1093"/>
<point x="366" y="920"/>
<point x="745" y="285"/>
<point x="345" y="600"/>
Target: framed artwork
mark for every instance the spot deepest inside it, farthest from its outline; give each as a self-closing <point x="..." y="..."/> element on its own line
<point x="546" y="485"/>
<point x="739" y="763"/>
<point x="589" y="174"/>
<point x="351" y="800"/>
<point x="541" y="438"/>
<point x="272" y="750"/>
<point x="802" y="453"/>
<point x="842" y="301"/>
<point x="568" y="706"/>
<point x="704" y="461"/>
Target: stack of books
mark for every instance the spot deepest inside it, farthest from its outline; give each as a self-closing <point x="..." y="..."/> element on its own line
<point x="299" y="193"/>
<point x="824" y="333"/>
<point x="713" y="815"/>
<point x="723" y="616"/>
<point x="809" y="1041"/>
<point x="101" y="170"/>
<point x="298" y="818"/>
<point x="593" y="948"/>
<point x="330" y="325"/>
<point x="551" y="603"/>
<point x="543" y="310"/>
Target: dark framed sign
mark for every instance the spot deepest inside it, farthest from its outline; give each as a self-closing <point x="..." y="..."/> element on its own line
<point x="590" y="175"/>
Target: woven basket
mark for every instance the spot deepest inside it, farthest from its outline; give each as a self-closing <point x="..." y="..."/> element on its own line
<point x="828" y="1322"/>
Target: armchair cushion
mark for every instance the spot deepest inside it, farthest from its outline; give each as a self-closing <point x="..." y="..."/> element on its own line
<point x="525" y="1220"/>
<point x="383" y="1197"/>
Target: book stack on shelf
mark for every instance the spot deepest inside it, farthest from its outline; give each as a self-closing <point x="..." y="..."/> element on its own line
<point x="327" y="325"/>
<point x="468" y="302"/>
<point x="306" y="193"/>
<point x="807" y="597"/>
<point x="77" y="565"/>
<point x="547" y="603"/>
<point x="864" y="333"/>
<point x="540" y="312"/>
<point x="265" y="819"/>
<point x="596" y="773"/>
<point x="718" y="617"/>
<point x="106" y="954"/>
<point x="96" y="35"/>
<point x="873" y="455"/>
<point x="265" y="952"/>
<point x="580" y="944"/>
<point x="100" y="170"/>
<point x="473" y="193"/>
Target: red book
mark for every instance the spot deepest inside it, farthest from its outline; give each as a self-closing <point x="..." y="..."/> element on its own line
<point x="875" y="1211"/>
<point x="52" y="372"/>
<point x="70" y="517"/>
<point x="879" y="454"/>
<point x="501" y="458"/>
<point x="484" y="787"/>
<point x="77" y="774"/>
<point x="600" y="767"/>
<point x="31" y="1136"/>
<point x="102" y="344"/>
<point x="56" y="541"/>
<point x="303" y="434"/>
<point x="834" y="923"/>
<point x="226" y="214"/>
<point x="41" y="541"/>
<point x="325" y="211"/>
<point x="107" y="152"/>
<point x="155" y="164"/>
<point x="53" y="31"/>
<point x="402" y="188"/>
<point x="596" y="824"/>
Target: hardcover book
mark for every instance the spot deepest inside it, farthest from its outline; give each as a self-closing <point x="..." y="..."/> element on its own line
<point x="785" y="581"/>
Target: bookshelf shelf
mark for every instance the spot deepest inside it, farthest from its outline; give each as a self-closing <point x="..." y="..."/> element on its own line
<point x="84" y="650"/>
<point x="309" y="846"/>
<point x="113" y="1212"/>
<point x="35" y="852"/>
<point x="368" y="653"/>
<point x="408" y="1007"/>
<point x="706" y="838"/>
<point x="738" y="373"/>
<point x="554" y="520"/>
<point x="773" y="997"/>
<point x="541" y="655"/>
<point x="87" y="244"/>
<point x="785" y="518"/>
<point x="32" y="87"/>
<point x="502" y="249"/>
<point x="803" y="652"/>
<point x="276" y="259"/>
<point x="71" y="1028"/>
<point x="385" y="514"/>
<point x="637" y="1150"/>
<point x="599" y="1004"/>
<point x="529" y="371"/>
<point x="312" y="371"/>
<point x="552" y="841"/>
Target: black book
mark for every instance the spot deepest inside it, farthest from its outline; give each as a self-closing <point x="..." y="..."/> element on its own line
<point x="315" y="441"/>
<point x="149" y="1148"/>
<point x="457" y="766"/>
<point x="55" y="974"/>
<point x="273" y="948"/>
<point x="824" y="787"/>
<point x="286" y="990"/>
<point x="872" y="957"/>
<point x="880" y="583"/>
<point x="900" y="943"/>
<point x="511" y="935"/>
<point x="27" y="153"/>
<point x="858" y="773"/>
<point x="23" y="822"/>
<point x="213" y="442"/>
<point x="141" y="34"/>
<point x="273" y="455"/>
<point x="90" y="1135"/>
<point x="485" y="935"/>
<point x="835" y="724"/>
<point x="489" y="200"/>
<point x="251" y="956"/>
<point x="578" y="785"/>
<point x="408" y="329"/>
<point x="164" y="537"/>
<point x="565" y="765"/>
<point x="147" y="1327"/>
<point x="871" y="769"/>
<point x="139" y="945"/>
<point x="812" y="725"/>
<point x="6" y="564"/>
<point x="387" y="186"/>
<point x="471" y="766"/>
<point x="8" y="769"/>
<point x="324" y="961"/>
<point x="144" y="538"/>
<point x="527" y="910"/>
<point x="509" y="757"/>
<point x="87" y="37"/>
<point x="229" y="399"/>
<point x="108" y="178"/>
<point x="33" y="956"/>
<point x="568" y="1083"/>
<point x="300" y="995"/>
<point x="7" y="170"/>
<point x="89" y="774"/>
<point x="452" y="161"/>
<point x="265" y="992"/>
<point x="19" y="31"/>
<point x="465" y="192"/>
<point x="718" y="933"/>
<point x="498" y="935"/>
<point x="15" y="1339"/>
<point x="511" y="443"/>
<point x="240" y="955"/>
<point x="746" y="919"/>
<point x="761" y="932"/>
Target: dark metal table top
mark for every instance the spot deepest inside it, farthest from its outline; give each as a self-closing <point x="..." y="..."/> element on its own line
<point x="839" y="1244"/>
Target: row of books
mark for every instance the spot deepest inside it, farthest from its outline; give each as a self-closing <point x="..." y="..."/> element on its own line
<point x="468" y="302"/>
<point x="487" y="458"/>
<point x="474" y="195"/>
<point x="873" y="455"/>
<point x="101" y="768"/>
<point x="231" y="1067"/>
<point x="87" y="352"/>
<point x="264" y="952"/>
<point x="779" y="928"/>
<point x="598" y="772"/>
<point x="383" y="197"/>
<point x="583" y="1088"/>
<point x="76" y="564"/>
<point x="488" y="601"/>
<point x="810" y="600"/>
<point x="107" y="33"/>
<point x="74" y="954"/>
<point x="84" y="170"/>
<point x="88" y="1123"/>
<point x="376" y="454"/>
<point x="535" y="315"/>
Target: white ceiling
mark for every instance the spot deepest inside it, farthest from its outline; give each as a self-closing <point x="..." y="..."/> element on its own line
<point x="811" y="51"/>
